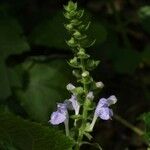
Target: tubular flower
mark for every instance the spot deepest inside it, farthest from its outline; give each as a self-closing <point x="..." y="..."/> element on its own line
<point x="59" y="116"/>
<point x="102" y="110"/>
<point x="73" y="104"/>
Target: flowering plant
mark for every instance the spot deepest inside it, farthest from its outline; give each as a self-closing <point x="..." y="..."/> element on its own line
<point x="82" y="96"/>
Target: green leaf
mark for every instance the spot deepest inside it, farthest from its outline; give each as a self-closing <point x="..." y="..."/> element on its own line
<point x="96" y="145"/>
<point x="46" y="87"/>
<point x="5" y="90"/>
<point x="125" y="60"/>
<point x="146" y="54"/>
<point x="11" y="42"/>
<point x="16" y="75"/>
<point x="146" y="118"/>
<point x="144" y="15"/>
<point x="6" y="146"/>
<point x="11" y="38"/>
<point x="50" y="33"/>
<point x="25" y="135"/>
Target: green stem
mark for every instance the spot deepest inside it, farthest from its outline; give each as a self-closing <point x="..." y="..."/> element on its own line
<point x="83" y="69"/>
<point x="129" y="125"/>
<point x="67" y="127"/>
<point x="93" y="122"/>
<point x="82" y="64"/>
<point x="84" y="113"/>
<point x="77" y="147"/>
<point x="81" y="129"/>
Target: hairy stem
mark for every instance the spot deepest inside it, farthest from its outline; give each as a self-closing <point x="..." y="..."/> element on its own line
<point x="84" y="113"/>
<point x="67" y="127"/>
<point x="129" y="125"/>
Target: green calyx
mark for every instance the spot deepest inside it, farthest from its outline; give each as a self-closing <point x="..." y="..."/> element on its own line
<point x="71" y="6"/>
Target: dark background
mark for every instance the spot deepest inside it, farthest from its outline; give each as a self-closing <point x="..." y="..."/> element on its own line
<point x="34" y="70"/>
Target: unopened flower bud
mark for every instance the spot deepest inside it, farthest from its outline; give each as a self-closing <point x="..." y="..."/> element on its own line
<point x="99" y="84"/>
<point x="73" y="61"/>
<point x="81" y="53"/>
<point x="77" y="34"/>
<point x="69" y="26"/>
<point x="70" y="87"/>
<point x="85" y="74"/>
<point x="90" y="96"/>
<point x="71" y="41"/>
<point x="112" y="99"/>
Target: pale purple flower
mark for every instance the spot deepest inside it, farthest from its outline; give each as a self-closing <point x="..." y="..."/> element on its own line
<point x="104" y="113"/>
<point x="59" y="116"/>
<point x="112" y="100"/>
<point x="102" y="110"/>
<point x="73" y="104"/>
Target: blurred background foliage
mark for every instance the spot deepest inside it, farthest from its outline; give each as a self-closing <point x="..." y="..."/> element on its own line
<point x="34" y="70"/>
